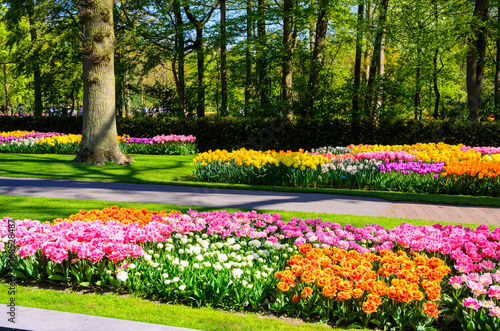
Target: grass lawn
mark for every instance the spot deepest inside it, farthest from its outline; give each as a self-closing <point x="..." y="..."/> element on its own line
<point x="178" y="170"/>
<point x="136" y="309"/>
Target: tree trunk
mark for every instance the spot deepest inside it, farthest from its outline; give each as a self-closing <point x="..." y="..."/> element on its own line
<point x="497" y="73"/>
<point x="311" y="37"/>
<point x="435" y="83"/>
<point x="119" y="83"/>
<point x="368" y="15"/>
<point x="375" y="61"/>
<point x="357" y="64"/>
<point x="476" y="58"/>
<point x="37" y="76"/>
<point x="223" y="71"/>
<point x="180" y="83"/>
<point x="200" y="54"/>
<point x="262" y="55"/>
<point x="417" y="101"/>
<point x="99" y="135"/>
<point x="287" y="59"/>
<point x="319" y="41"/>
<point x="5" y="85"/>
<point x="248" y="58"/>
<point x="380" y="78"/>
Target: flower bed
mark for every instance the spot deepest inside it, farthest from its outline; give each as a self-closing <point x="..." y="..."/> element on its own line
<point x="409" y="277"/>
<point x="419" y="168"/>
<point x="60" y="143"/>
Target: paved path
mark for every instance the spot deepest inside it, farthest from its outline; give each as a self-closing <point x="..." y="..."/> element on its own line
<point x="226" y="198"/>
<point x="49" y="320"/>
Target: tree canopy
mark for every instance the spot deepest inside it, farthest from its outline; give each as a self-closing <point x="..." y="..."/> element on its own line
<point x="355" y="59"/>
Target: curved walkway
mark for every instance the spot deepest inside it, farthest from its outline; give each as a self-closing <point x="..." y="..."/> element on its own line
<point x="227" y="198"/>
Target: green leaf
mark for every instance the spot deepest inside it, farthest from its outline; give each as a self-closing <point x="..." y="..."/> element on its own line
<point x="58" y="278"/>
<point x="21" y="275"/>
<point x="85" y="284"/>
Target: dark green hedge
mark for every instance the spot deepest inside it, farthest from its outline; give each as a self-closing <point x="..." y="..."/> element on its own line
<point x="232" y="133"/>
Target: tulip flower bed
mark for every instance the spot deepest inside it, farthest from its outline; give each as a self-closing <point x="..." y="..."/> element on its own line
<point x="60" y="143"/>
<point x="420" y="168"/>
<point x="409" y="277"/>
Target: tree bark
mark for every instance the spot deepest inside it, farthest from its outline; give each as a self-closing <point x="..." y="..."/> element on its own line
<point x="287" y="59"/>
<point x="375" y="60"/>
<point x="357" y="64"/>
<point x="262" y="56"/>
<point x="200" y="54"/>
<point x="179" y="39"/>
<point x="417" y="100"/>
<point x="317" y="56"/>
<point x="366" y="55"/>
<point x="223" y="71"/>
<point x="5" y="85"/>
<point x="435" y="83"/>
<point x="497" y="72"/>
<point x="37" y="75"/>
<point x="476" y="58"/>
<point x="380" y="78"/>
<point x="99" y="135"/>
<point x="248" y="58"/>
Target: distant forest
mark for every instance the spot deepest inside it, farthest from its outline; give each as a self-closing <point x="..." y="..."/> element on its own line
<point x="357" y="60"/>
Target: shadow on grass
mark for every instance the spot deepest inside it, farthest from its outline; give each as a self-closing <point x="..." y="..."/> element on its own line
<point x="42" y="166"/>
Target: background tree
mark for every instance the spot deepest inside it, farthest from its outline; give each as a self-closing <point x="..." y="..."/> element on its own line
<point x="476" y="55"/>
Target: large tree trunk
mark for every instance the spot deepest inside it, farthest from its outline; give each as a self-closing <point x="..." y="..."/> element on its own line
<point x="248" y="58"/>
<point x="179" y="39"/>
<point x="287" y="59"/>
<point x="317" y="56"/>
<point x="375" y="60"/>
<point x="357" y="64"/>
<point x="476" y="58"/>
<point x="99" y="135"/>
<point x="223" y="71"/>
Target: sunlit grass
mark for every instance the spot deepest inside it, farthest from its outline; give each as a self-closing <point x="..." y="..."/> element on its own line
<point x="136" y="309"/>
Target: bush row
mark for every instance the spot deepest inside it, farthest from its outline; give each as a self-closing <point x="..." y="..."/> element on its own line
<point x="263" y="134"/>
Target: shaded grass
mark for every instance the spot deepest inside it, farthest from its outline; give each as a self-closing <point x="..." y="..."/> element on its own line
<point x="136" y="309"/>
<point x="48" y="209"/>
<point x="178" y="170"/>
